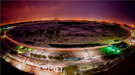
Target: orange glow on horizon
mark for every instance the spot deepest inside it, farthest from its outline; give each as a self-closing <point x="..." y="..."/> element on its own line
<point x="121" y="24"/>
<point x="74" y="19"/>
<point x="132" y="26"/>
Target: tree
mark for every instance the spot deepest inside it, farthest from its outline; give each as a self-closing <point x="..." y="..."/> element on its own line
<point x="56" y="57"/>
<point x="44" y="56"/>
<point x="61" y="58"/>
<point x="50" y="57"/>
<point x="116" y="40"/>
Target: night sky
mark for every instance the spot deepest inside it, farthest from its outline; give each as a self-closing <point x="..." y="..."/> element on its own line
<point x="116" y="11"/>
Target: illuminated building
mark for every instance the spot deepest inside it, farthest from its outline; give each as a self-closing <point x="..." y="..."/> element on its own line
<point x="57" y="47"/>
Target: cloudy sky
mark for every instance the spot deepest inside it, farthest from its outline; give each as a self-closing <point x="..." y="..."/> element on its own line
<point x="117" y="11"/>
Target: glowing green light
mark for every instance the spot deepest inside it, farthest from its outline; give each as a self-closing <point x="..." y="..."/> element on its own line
<point x="20" y="46"/>
<point x="29" y="49"/>
<point x="110" y="51"/>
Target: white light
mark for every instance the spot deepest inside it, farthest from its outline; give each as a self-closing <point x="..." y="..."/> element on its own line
<point x="86" y="58"/>
<point x="20" y="66"/>
<point x="133" y="40"/>
<point x="118" y="50"/>
<point x="113" y="50"/>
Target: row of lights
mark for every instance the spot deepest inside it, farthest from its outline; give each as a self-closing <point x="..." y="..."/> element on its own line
<point x="51" y="57"/>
